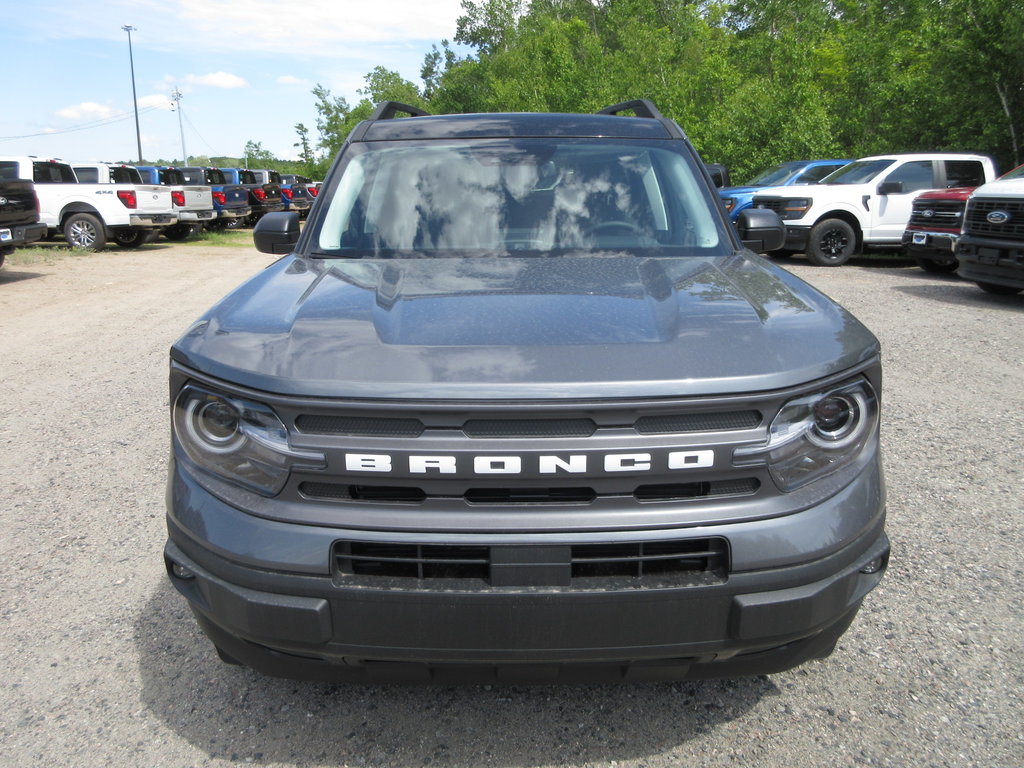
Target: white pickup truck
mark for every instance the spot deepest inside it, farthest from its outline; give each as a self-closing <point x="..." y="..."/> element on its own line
<point x="192" y="202"/>
<point x="867" y="203"/>
<point x="88" y="215"/>
<point x="151" y="200"/>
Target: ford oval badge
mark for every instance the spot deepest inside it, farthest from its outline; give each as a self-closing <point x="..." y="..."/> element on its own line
<point x="997" y="217"/>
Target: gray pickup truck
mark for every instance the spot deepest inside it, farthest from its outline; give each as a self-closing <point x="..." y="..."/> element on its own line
<point x="519" y="404"/>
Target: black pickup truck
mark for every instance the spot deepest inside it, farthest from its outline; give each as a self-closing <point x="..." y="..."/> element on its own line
<point x="19" y="211"/>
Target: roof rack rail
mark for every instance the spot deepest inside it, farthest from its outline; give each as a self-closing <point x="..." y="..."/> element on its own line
<point x="387" y="110"/>
<point x="640" y="107"/>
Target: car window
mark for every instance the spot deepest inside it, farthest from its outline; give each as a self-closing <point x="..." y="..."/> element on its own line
<point x="915" y="176"/>
<point x="440" y="198"/>
<point x="858" y="172"/>
<point x="171" y="177"/>
<point x="215" y="176"/>
<point x="53" y="173"/>
<point x="775" y="175"/>
<point x="817" y="173"/>
<point x="964" y="173"/>
<point x="195" y="176"/>
<point x="125" y="176"/>
<point x="8" y="171"/>
<point x="247" y="177"/>
<point x="87" y="175"/>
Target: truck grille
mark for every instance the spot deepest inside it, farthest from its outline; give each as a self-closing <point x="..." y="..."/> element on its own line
<point x="770" y="203"/>
<point x="619" y="565"/>
<point x="976" y="222"/>
<point x="515" y="495"/>
<point x="358" y="426"/>
<point x="937" y="213"/>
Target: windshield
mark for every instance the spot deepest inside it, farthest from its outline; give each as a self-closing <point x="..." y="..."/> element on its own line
<point x="492" y="197"/>
<point x="776" y="175"/>
<point x="1016" y="173"/>
<point x="858" y="172"/>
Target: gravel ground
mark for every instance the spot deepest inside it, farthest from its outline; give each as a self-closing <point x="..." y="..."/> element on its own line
<point x="103" y="665"/>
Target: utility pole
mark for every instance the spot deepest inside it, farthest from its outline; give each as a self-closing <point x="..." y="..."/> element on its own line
<point x="135" y="100"/>
<point x="176" y="98"/>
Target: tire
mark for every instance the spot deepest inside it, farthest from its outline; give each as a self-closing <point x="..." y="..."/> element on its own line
<point x="178" y="232"/>
<point x="831" y="243"/>
<point x="85" y="231"/>
<point x="936" y="265"/>
<point x="999" y="290"/>
<point x="236" y="223"/>
<point x="134" y="237"/>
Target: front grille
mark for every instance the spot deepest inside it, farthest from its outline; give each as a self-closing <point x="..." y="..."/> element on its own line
<point x="553" y="428"/>
<point x="770" y="203"/>
<point x="937" y="213"/>
<point x="977" y="223"/>
<point x="515" y="495"/>
<point x="616" y="565"/>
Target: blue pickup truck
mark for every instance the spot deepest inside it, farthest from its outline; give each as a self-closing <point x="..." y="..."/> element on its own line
<point x="230" y="201"/>
<point x="737" y="199"/>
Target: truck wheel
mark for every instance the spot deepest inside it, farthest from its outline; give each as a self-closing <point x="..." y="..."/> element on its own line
<point x="832" y="242"/>
<point x="134" y="238"/>
<point x="178" y="232"/>
<point x="83" y="230"/>
<point x="236" y="223"/>
<point x="999" y="290"/>
<point x="937" y="265"/>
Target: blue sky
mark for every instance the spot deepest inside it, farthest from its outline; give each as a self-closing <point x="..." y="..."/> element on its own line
<point x="245" y="69"/>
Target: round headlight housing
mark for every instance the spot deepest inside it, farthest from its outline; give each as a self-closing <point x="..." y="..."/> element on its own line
<point x="816" y="435"/>
<point x="238" y="440"/>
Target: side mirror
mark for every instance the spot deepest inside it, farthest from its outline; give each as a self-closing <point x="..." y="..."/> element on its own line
<point x="890" y="188"/>
<point x="761" y="230"/>
<point x="277" y="232"/>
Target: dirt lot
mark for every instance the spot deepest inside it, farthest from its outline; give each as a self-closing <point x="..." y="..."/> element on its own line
<point x="103" y="665"/>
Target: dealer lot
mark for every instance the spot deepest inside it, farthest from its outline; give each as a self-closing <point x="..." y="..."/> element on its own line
<point x="103" y="665"/>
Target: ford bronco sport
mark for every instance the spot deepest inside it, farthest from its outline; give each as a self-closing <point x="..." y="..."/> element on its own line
<point x="519" y="405"/>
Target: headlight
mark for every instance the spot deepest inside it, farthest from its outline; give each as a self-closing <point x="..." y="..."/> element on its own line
<point x="239" y="440"/>
<point x="816" y="435"/>
<point x="795" y="209"/>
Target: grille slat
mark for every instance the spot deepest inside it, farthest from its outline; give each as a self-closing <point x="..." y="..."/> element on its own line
<point x="621" y="565"/>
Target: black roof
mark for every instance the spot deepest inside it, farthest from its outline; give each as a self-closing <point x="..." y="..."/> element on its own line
<point x="648" y="124"/>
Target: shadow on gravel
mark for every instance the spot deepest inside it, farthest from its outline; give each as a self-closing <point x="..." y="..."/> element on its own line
<point x="15" y="276"/>
<point x="234" y="714"/>
<point x="953" y="290"/>
<point x="880" y="260"/>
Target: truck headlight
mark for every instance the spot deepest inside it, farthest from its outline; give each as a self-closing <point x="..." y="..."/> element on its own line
<point x="816" y="435"/>
<point x="238" y="440"/>
<point x="795" y="209"/>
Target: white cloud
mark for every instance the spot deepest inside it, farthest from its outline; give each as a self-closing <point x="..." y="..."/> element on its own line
<point x="87" y="109"/>
<point x="218" y="80"/>
<point x="156" y="100"/>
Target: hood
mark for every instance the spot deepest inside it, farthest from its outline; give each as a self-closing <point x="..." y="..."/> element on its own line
<point x="562" y="327"/>
<point x="1013" y="187"/>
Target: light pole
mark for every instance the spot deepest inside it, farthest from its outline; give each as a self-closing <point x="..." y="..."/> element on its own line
<point x="176" y="98"/>
<point x="135" y="101"/>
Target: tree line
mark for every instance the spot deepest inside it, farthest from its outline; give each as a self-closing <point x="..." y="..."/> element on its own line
<point x="752" y="82"/>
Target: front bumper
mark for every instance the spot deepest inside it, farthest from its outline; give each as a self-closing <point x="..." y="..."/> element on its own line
<point x="988" y="260"/>
<point x="935" y="245"/>
<point x="796" y="238"/>
<point x="265" y="592"/>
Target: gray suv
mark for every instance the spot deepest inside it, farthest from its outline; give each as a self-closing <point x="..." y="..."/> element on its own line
<point x="519" y="405"/>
